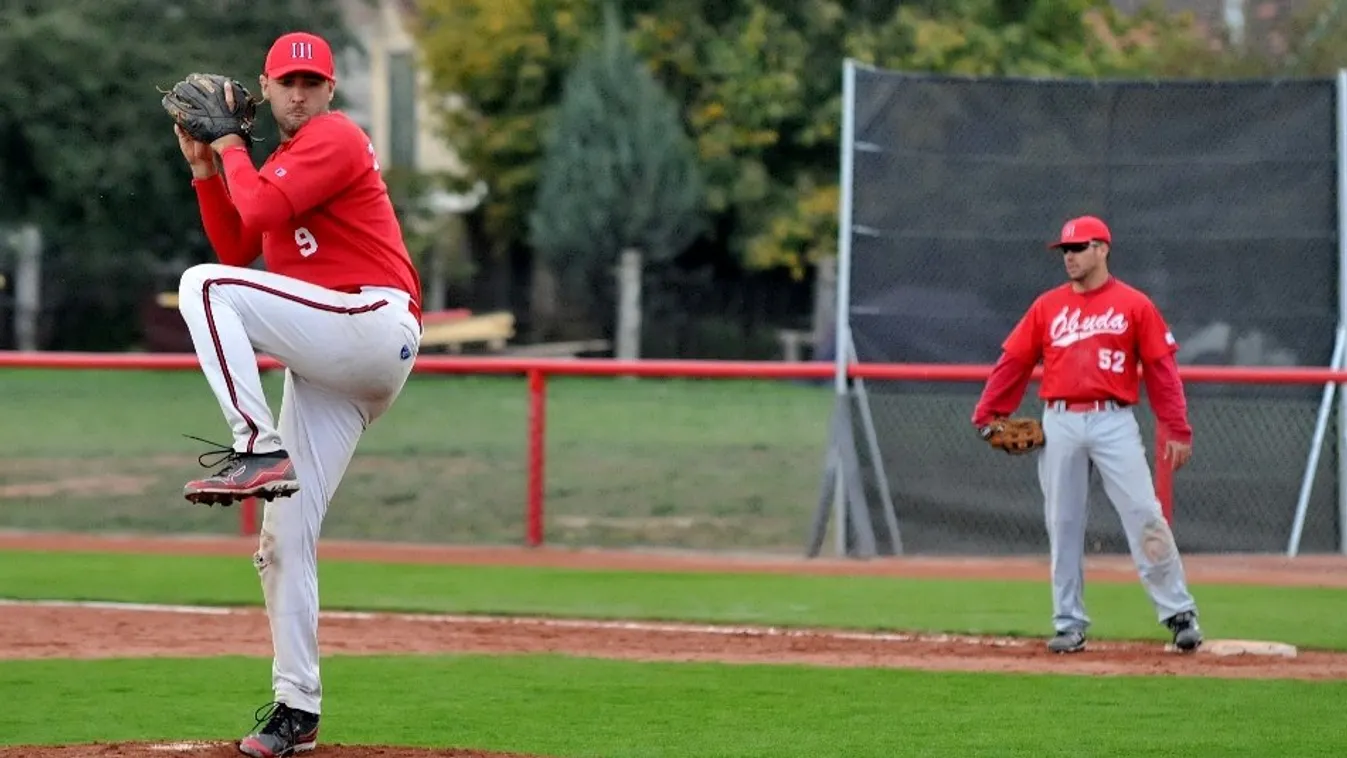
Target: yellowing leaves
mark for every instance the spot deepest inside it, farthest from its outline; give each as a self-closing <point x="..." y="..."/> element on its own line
<point x="505" y="59"/>
<point x="799" y="236"/>
<point x="759" y="86"/>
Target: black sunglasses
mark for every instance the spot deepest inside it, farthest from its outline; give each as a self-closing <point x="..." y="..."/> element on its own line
<point x="1076" y="247"/>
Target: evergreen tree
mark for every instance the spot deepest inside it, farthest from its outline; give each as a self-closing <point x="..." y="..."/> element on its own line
<point x="88" y="155"/>
<point x="619" y="174"/>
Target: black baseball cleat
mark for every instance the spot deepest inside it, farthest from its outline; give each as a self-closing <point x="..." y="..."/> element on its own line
<point x="286" y="731"/>
<point x="1067" y="641"/>
<point x="244" y="475"/>
<point x="1187" y="635"/>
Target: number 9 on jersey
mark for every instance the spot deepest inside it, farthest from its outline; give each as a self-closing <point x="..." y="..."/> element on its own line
<point x="305" y="242"/>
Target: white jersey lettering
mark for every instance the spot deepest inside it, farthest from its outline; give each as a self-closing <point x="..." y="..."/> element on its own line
<point x="1070" y="327"/>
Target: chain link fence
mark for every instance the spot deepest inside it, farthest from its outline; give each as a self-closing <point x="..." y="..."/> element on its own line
<point x="952" y="494"/>
<point x="1222" y="200"/>
<point x="725" y="465"/>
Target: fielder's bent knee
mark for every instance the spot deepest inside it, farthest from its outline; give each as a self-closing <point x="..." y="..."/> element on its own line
<point x="1157" y="541"/>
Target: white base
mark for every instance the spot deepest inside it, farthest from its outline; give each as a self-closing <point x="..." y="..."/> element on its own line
<point x="1241" y="647"/>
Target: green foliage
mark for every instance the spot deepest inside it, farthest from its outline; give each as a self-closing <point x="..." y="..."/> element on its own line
<point x="1282" y="40"/>
<point x="581" y="705"/>
<point x="500" y="65"/>
<point x="618" y="171"/>
<point x="759" y="84"/>
<point x="87" y="152"/>
<point x="760" y="88"/>
<point x="1047" y="38"/>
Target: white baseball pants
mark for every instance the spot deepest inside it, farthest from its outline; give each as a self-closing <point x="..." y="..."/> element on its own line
<point x="347" y="357"/>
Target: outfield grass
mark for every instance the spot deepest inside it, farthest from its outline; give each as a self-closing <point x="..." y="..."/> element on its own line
<point x="1304" y="616"/>
<point x="560" y="706"/>
<point x="673" y="463"/>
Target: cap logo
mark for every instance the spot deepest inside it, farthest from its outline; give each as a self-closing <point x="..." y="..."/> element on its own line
<point x="1069" y="230"/>
<point x="301" y="51"/>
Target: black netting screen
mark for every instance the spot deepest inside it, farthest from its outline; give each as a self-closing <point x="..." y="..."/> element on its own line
<point x="1222" y="200"/>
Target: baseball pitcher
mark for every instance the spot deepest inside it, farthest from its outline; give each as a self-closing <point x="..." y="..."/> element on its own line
<point x="339" y="304"/>
<point x="1097" y="339"/>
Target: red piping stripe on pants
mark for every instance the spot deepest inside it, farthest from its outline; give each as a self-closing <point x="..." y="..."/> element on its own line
<point x="219" y="347"/>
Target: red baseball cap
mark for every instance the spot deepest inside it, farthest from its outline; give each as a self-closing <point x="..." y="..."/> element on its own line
<point x="299" y="52"/>
<point x="1083" y="229"/>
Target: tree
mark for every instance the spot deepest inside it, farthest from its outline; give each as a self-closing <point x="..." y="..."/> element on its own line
<point x="762" y="89"/>
<point x="499" y="65"/>
<point x="88" y="154"/>
<point x="619" y="177"/>
<point x="759" y="86"/>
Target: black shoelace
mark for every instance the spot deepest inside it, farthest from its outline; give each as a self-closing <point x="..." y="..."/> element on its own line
<point x="278" y="719"/>
<point x="222" y="454"/>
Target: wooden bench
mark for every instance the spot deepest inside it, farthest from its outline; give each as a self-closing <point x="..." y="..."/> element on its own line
<point x="452" y="334"/>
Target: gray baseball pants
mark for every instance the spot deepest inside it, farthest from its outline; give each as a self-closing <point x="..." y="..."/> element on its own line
<point x="1110" y="439"/>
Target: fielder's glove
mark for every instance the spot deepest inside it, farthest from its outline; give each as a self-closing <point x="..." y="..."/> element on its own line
<point x="210" y="106"/>
<point x="1016" y="436"/>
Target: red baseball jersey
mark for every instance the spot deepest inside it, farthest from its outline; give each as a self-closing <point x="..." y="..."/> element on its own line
<point x="344" y="233"/>
<point x="317" y="210"/>
<point x="1091" y="343"/>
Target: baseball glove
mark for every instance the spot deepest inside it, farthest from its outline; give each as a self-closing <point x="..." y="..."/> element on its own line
<point x="1016" y="436"/>
<point x="210" y="106"/>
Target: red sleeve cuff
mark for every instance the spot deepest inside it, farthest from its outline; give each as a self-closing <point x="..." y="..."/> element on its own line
<point x="1165" y="391"/>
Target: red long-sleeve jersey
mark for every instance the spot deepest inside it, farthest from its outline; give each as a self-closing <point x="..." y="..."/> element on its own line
<point x="317" y="210"/>
<point x="1097" y="345"/>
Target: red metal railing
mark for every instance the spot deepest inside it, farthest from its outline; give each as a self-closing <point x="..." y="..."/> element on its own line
<point x="538" y="369"/>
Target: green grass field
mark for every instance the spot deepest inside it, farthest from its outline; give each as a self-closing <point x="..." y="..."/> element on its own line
<point x="447" y="464"/>
<point x="573" y="706"/>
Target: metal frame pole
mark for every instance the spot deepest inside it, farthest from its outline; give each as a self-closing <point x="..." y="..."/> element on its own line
<point x="1342" y="301"/>
<point x="872" y="445"/>
<point x="842" y="328"/>
<point x="1316" y="447"/>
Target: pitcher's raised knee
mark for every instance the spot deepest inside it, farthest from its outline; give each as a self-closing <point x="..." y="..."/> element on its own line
<point x="192" y="283"/>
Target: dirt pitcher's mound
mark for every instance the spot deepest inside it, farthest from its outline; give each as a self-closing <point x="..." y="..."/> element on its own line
<point x="229" y="750"/>
<point x="104" y="630"/>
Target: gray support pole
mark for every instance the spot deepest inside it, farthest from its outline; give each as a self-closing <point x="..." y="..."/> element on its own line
<point x="842" y="326"/>
<point x="832" y="473"/>
<point x="881" y="476"/>
<point x="1342" y="302"/>
<point x="1316" y="447"/>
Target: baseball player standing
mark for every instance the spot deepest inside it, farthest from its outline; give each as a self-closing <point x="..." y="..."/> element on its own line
<point x="1092" y="335"/>
<point x="338" y="305"/>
